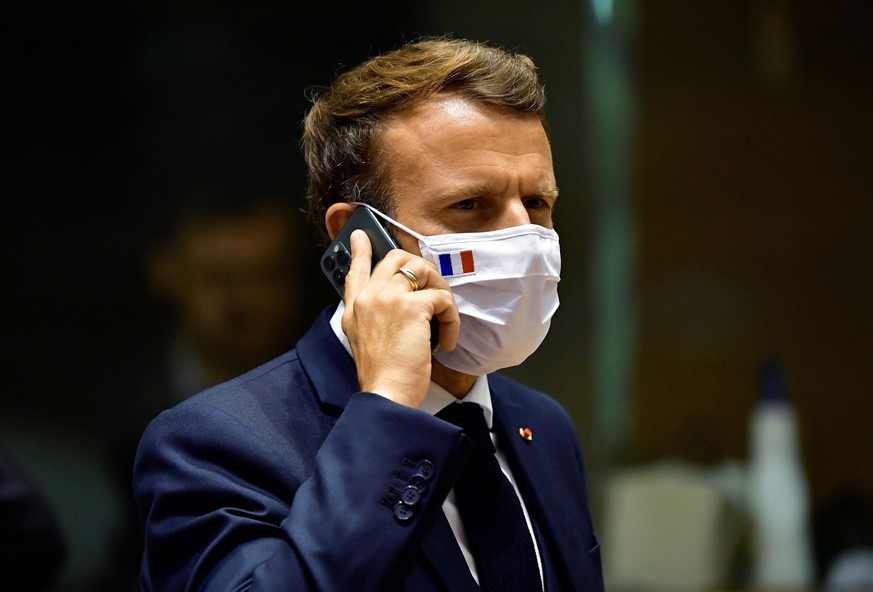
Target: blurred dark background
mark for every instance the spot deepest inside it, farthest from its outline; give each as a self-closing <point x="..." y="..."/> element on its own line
<point x="715" y="213"/>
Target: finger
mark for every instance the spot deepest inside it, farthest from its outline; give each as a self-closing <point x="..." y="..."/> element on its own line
<point x="410" y="276"/>
<point x="359" y="269"/>
<point x="442" y="306"/>
<point x="428" y="275"/>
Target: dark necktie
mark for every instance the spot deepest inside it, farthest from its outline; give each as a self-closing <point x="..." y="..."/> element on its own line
<point x="491" y="512"/>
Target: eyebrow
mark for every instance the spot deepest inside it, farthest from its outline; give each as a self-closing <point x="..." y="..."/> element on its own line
<point x="466" y="192"/>
<point x="548" y="191"/>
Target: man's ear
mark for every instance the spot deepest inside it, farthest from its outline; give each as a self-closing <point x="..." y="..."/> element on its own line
<point x="336" y="217"/>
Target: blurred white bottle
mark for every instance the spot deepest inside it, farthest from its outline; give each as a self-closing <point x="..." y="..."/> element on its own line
<point x="779" y="497"/>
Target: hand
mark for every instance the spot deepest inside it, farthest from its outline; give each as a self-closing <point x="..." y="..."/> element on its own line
<point x="388" y="324"/>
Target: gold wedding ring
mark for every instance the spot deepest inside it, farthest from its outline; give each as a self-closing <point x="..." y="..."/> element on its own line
<point x="410" y="275"/>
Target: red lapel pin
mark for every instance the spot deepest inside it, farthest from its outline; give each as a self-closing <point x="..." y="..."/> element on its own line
<point x="526" y="433"/>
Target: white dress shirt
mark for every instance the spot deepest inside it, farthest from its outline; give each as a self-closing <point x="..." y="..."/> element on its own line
<point x="436" y="399"/>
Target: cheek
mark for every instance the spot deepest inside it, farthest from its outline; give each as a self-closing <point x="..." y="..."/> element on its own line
<point x="199" y="299"/>
<point x="408" y="243"/>
<point x="543" y="217"/>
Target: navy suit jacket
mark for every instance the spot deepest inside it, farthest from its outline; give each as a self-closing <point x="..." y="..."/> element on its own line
<point x="287" y="478"/>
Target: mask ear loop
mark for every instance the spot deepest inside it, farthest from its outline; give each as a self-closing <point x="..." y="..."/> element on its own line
<point x="390" y="220"/>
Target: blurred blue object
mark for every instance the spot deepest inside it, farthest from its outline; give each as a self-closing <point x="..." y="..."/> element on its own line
<point x="773" y="384"/>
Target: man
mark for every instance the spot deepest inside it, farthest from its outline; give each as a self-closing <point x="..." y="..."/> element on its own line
<point x="229" y="273"/>
<point x="327" y="469"/>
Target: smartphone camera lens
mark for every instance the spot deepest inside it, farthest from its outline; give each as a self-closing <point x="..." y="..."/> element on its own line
<point x="328" y="263"/>
<point x="343" y="258"/>
<point x="339" y="276"/>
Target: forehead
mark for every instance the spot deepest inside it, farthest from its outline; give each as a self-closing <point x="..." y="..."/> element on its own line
<point x="449" y="113"/>
<point x="448" y="134"/>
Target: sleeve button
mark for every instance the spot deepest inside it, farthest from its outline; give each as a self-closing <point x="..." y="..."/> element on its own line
<point x="403" y="512"/>
<point x="418" y="481"/>
<point x="410" y="495"/>
<point x="425" y="468"/>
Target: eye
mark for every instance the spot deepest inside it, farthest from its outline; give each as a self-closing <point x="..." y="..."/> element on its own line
<point x="536" y="203"/>
<point x="465" y="204"/>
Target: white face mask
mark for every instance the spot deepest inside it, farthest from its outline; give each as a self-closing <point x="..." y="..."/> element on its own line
<point x="505" y="284"/>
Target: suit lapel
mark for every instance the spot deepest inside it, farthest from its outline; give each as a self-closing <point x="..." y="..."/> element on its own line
<point x="542" y="481"/>
<point x="327" y="363"/>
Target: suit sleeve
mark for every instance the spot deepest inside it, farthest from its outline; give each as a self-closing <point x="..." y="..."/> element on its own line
<point x="221" y="511"/>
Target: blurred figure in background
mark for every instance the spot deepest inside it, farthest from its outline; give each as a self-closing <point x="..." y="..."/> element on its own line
<point x="225" y="270"/>
<point x="230" y="276"/>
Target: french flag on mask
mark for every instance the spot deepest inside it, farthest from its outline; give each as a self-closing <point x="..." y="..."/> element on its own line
<point x="456" y="263"/>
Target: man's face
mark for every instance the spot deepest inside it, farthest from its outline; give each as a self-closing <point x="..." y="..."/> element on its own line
<point x="456" y="166"/>
<point x="234" y="285"/>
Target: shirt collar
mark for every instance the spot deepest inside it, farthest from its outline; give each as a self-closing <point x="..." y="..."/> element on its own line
<point x="336" y="323"/>
<point x="437" y="397"/>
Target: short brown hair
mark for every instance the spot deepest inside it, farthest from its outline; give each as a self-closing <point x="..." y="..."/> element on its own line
<point x="344" y="121"/>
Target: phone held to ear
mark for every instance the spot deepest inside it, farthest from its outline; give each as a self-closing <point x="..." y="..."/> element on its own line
<point x="337" y="259"/>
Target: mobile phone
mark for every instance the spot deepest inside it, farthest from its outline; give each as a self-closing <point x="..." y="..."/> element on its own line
<point x="337" y="258"/>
